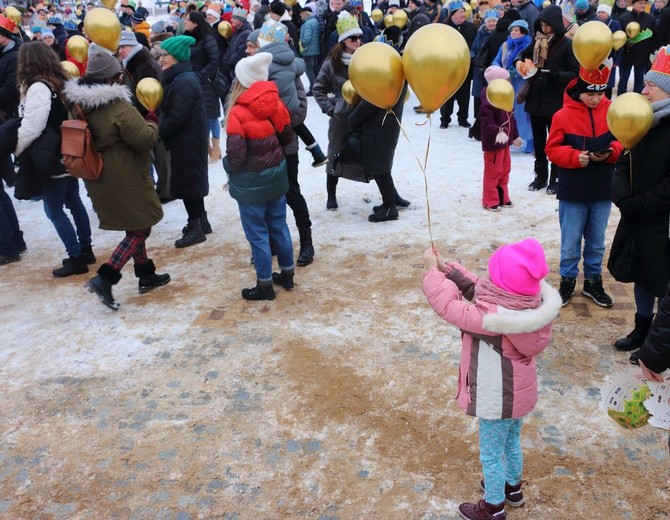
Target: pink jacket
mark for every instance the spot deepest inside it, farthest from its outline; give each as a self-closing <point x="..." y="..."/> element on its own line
<point x="497" y="377"/>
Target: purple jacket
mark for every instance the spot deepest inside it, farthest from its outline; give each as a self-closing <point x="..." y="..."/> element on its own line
<point x="497" y="376"/>
<point x="491" y="119"/>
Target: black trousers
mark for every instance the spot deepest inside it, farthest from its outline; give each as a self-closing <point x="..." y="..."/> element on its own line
<point x="294" y="198"/>
<point x="462" y="95"/>
<point x="195" y="208"/>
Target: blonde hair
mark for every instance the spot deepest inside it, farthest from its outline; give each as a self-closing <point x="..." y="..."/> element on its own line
<point x="235" y="93"/>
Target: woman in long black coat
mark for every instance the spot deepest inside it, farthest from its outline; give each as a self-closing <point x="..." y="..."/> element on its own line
<point x="205" y="64"/>
<point x="183" y="128"/>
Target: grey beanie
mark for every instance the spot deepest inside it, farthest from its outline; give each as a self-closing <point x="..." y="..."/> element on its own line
<point x="253" y="36"/>
<point x="102" y="66"/>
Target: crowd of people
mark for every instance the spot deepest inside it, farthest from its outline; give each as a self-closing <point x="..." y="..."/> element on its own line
<point x="233" y="91"/>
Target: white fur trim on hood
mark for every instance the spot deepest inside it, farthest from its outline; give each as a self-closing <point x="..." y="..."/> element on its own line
<point x="94" y="96"/>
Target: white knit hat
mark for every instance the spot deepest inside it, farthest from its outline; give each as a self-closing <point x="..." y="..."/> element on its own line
<point x="602" y="8"/>
<point x="254" y="68"/>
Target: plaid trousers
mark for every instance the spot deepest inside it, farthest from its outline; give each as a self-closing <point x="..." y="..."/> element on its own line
<point x="133" y="245"/>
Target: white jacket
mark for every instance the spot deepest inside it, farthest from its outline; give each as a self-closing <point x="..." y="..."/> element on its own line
<point x="34" y="111"/>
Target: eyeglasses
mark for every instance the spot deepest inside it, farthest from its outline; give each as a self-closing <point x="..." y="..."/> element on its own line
<point x="161" y="55"/>
<point x="354" y="38"/>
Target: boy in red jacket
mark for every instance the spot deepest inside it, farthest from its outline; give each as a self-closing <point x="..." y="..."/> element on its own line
<point x="581" y="145"/>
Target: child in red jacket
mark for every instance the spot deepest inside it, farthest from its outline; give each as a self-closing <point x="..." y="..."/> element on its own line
<point x="581" y="145"/>
<point x="498" y="131"/>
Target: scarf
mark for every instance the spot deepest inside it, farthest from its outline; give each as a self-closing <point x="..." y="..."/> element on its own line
<point x="661" y="110"/>
<point x="541" y="49"/>
<point x="346" y="58"/>
<point x="487" y="291"/>
<point x="514" y="47"/>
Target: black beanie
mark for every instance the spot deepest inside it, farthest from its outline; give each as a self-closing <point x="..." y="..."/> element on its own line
<point x="278" y="8"/>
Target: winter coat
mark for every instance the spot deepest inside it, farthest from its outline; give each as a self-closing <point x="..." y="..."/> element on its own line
<point x="492" y="120"/>
<point x="237" y="49"/>
<point x="655" y="351"/>
<point x="662" y="31"/>
<point x="587" y="16"/>
<point x="575" y="128"/>
<point x="497" y="376"/>
<point x="205" y="65"/>
<point x="500" y="35"/>
<point x="479" y="54"/>
<point x="640" y="250"/>
<point x="637" y="54"/>
<point x="417" y="20"/>
<point x="529" y="12"/>
<point x="379" y="140"/>
<point x="124" y="197"/>
<point x="9" y="93"/>
<point x="327" y="92"/>
<point x="546" y="88"/>
<point x="310" y="37"/>
<point x="284" y="69"/>
<point x="143" y="28"/>
<point x="468" y="32"/>
<point x="141" y="65"/>
<point x="183" y="128"/>
<point x="258" y="124"/>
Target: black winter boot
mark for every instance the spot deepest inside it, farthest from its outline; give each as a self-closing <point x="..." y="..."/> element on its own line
<point x="285" y="279"/>
<point x="384" y="214"/>
<point x="148" y="277"/>
<point x="262" y="291"/>
<point x="204" y="224"/>
<point x="566" y="289"/>
<point x="74" y="265"/>
<point x="306" y="255"/>
<point x="194" y="234"/>
<point x="86" y="254"/>
<point x="541" y="172"/>
<point x="102" y="285"/>
<point x="317" y="154"/>
<point x="553" y="182"/>
<point x="636" y="337"/>
<point x="593" y="288"/>
<point x="399" y="202"/>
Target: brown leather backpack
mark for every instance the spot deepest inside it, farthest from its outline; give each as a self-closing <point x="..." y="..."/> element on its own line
<point x="79" y="156"/>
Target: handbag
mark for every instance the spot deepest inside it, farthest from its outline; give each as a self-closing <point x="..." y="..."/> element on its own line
<point x="221" y="85"/>
<point x="348" y="163"/>
<point x="44" y="154"/>
<point x="523" y="93"/>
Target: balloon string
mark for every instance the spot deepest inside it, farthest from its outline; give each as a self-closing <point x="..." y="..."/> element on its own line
<point x="422" y="167"/>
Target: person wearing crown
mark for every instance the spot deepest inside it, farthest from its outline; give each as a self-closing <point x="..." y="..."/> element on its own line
<point x="640" y="251"/>
<point x="584" y="150"/>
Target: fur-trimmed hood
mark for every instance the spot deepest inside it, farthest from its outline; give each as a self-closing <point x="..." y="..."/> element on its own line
<point x="95" y="96"/>
<point x="507" y="321"/>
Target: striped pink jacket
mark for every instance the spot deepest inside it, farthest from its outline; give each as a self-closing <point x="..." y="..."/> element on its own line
<point x="497" y="377"/>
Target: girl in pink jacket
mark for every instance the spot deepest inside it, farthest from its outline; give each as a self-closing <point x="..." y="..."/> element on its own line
<point x="505" y="319"/>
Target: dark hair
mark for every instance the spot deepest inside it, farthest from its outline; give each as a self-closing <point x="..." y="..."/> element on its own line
<point x="37" y="62"/>
<point x="203" y="28"/>
<point x="335" y="56"/>
<point x="87" y="80"/>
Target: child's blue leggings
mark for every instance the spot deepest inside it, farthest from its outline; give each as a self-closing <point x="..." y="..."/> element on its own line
<point x="501" y="456"/>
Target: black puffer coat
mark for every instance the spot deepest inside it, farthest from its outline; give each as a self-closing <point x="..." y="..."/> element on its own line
<point x="641" y="249"/>
<point x="638" y="53"/>
<point x="141" y="65"/>
<point x="379" y="140"/>
<point x="546" y="88"/>
<point x="183" y="128"/>
<point x="655" y="352"/>
<point x="9" y="92"/>
<point x="205" y="63"/>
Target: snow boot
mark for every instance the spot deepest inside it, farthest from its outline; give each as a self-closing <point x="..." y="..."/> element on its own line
<point x="566" y="289"/>
<point x="74" y="265"/>
<point x="540" y="177"/>
<point x="284" y="279"/>
<point x="102" y="285"/>
<point x="204" y="224"/>
<point x="148" y="277"/>
<point x="86" y="254"/>
<point x="262" y="291"/>
<point x="553" y="183"/>
<point x="384" y="214"/>
<point x="194" y="234"/>
<point x="317" y="154"/>
<point x="306" y="255"/>
<point x="513" y="494"/>
<point x="593" y="288"/>
<point x="636" y="337"/>
<point x="482" y="510"/>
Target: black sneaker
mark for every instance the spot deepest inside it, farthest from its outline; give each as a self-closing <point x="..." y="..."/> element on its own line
<point x="593" y="288"/>
<point x="566" y="289"/>
<point x="262" y="291"/>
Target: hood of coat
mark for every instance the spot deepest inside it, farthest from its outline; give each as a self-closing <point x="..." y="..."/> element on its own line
<point x="553" y="16"/>
<point x="506" y="321"/>
<point x="261" y="98"/>
<point x="282" y="54"/>
<point x="95" y="96"/>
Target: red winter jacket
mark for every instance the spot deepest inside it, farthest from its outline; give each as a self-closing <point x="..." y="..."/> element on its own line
<point x="576" y="128"/>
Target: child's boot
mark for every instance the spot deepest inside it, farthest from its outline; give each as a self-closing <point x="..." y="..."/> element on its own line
<point x="317" y="154"/>
<point x="513" y="494"/>
<point x="482" y="510"/>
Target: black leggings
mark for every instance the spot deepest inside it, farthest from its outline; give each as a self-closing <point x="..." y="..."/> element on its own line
<point x="195" y="208"/>
<point x="304" y="134"/>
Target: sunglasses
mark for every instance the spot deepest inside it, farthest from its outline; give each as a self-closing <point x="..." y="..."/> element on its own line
<point x="354" y="38"/>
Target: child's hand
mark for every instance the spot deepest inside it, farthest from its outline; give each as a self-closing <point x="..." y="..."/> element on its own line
<point x="583" y="159"/>
<point x="429" y="259"/>
<point x="518" y="142"/>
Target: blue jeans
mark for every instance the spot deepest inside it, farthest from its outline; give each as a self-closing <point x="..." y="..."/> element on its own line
<point x="311" y="69"/>
<point x="262" y="222"/>
<point x="11" y="237"/>
<point x="624" y="74"/>
<point x="501" y="456"/>
<point x="65" y="192"/>
<point x="214" y="127"/>
<point x="587" y="220"/>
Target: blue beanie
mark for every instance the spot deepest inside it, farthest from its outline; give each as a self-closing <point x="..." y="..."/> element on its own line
<point x="582" y="5"/>
<point x="521" y="24"/>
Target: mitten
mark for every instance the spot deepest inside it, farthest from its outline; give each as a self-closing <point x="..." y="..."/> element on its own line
<point x="151" y="117"/>
<point x="502" y="137"/>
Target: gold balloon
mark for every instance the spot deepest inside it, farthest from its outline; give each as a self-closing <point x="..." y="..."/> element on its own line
<point x="77" y="46"/>
<point x="225" y="29"/>
<point x="349" y="93"/>
<point x="592" y="44"/>
<point x="619" y="39"/>
<point x="473" y="3"/>
<point x="70" y="69"/>
<point x="376" y="15"/>
<point x="468" y="9"/>
<point x="13" y="14"/>
<point x="103" y="27"/>
<point x="375" y="71"/>
<point x="388" y="20"/>
<point x="400" y="18"/>
<point x="109" y="4"/>
<point x="290" y="3"/>
<point x="633" y="29"/>
<point x="436" y="62"/>
<point x="546" y="3"/>
<point x="150" y="93"/>
<point x="500" y="94"/>
<point x="629" y="118"/>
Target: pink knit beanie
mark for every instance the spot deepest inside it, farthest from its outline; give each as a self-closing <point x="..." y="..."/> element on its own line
<point x="518" y="268"/>
<point x="494" y="72"/>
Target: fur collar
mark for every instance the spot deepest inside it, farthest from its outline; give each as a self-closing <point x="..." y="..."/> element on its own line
<point x="95" y="96"/>
<point x="507" y="321"/>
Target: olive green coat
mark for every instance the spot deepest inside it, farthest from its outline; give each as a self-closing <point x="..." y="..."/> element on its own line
<point x="124" y="197"/>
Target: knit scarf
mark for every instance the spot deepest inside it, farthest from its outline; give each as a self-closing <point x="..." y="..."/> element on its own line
<point x="514" y="47"/>
<point x="661" y="110"/>
<point x="487" y="291"/>
<point x="346" y="58"/>
<point x="541" y="49"/>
